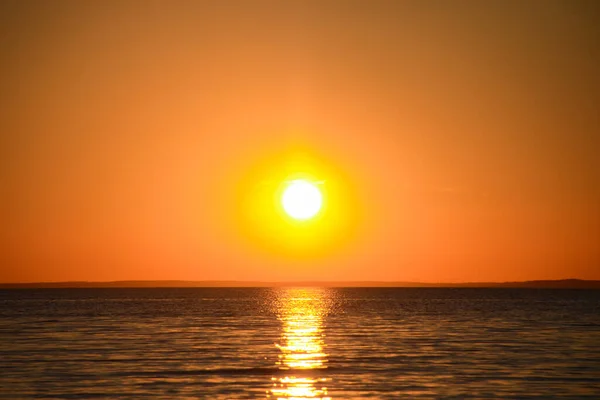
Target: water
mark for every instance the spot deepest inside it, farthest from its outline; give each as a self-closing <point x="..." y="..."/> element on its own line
<point x="214" y="343"/>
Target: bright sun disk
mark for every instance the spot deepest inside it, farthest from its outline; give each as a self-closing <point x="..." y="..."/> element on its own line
<point x="301" y="199"/>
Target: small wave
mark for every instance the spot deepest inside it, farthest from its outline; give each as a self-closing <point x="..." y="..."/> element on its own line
<point x="259" y="371"/>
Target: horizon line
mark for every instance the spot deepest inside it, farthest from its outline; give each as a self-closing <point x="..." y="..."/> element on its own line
<point x="133" y="283"/>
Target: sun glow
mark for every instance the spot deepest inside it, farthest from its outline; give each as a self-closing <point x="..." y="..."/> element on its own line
<point x="295" y="205"/>
<point x="301" y="199"/>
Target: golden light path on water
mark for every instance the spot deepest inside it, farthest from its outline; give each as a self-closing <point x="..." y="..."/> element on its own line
<point x="302" y="346"/>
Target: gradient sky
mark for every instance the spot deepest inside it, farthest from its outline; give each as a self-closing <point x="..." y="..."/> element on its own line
<point x="466" y="135"/>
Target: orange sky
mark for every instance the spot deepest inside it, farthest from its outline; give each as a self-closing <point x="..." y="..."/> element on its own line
<point x="459" y="140"/>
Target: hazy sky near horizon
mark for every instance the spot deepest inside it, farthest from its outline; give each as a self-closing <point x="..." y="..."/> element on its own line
<point x="466" y="136"/>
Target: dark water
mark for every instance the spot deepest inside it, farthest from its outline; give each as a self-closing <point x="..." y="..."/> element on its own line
<point x="299" y="343"/>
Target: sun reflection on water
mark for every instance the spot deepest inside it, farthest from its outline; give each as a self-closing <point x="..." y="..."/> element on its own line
<point x="303" y="358"/>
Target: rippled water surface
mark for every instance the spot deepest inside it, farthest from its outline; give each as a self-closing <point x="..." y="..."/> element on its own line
<point x="299" y="343"/>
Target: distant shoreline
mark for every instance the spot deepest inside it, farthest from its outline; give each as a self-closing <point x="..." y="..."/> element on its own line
<point x="542" y="284"/>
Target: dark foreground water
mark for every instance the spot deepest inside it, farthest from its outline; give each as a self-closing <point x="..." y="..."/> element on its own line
<point x="299" y="343"/>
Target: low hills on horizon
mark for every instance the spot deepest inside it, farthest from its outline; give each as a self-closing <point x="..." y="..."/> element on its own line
<point x="542" y="284"/>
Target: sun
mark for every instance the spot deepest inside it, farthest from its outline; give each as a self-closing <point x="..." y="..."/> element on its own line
<point x="301" y="199"/>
